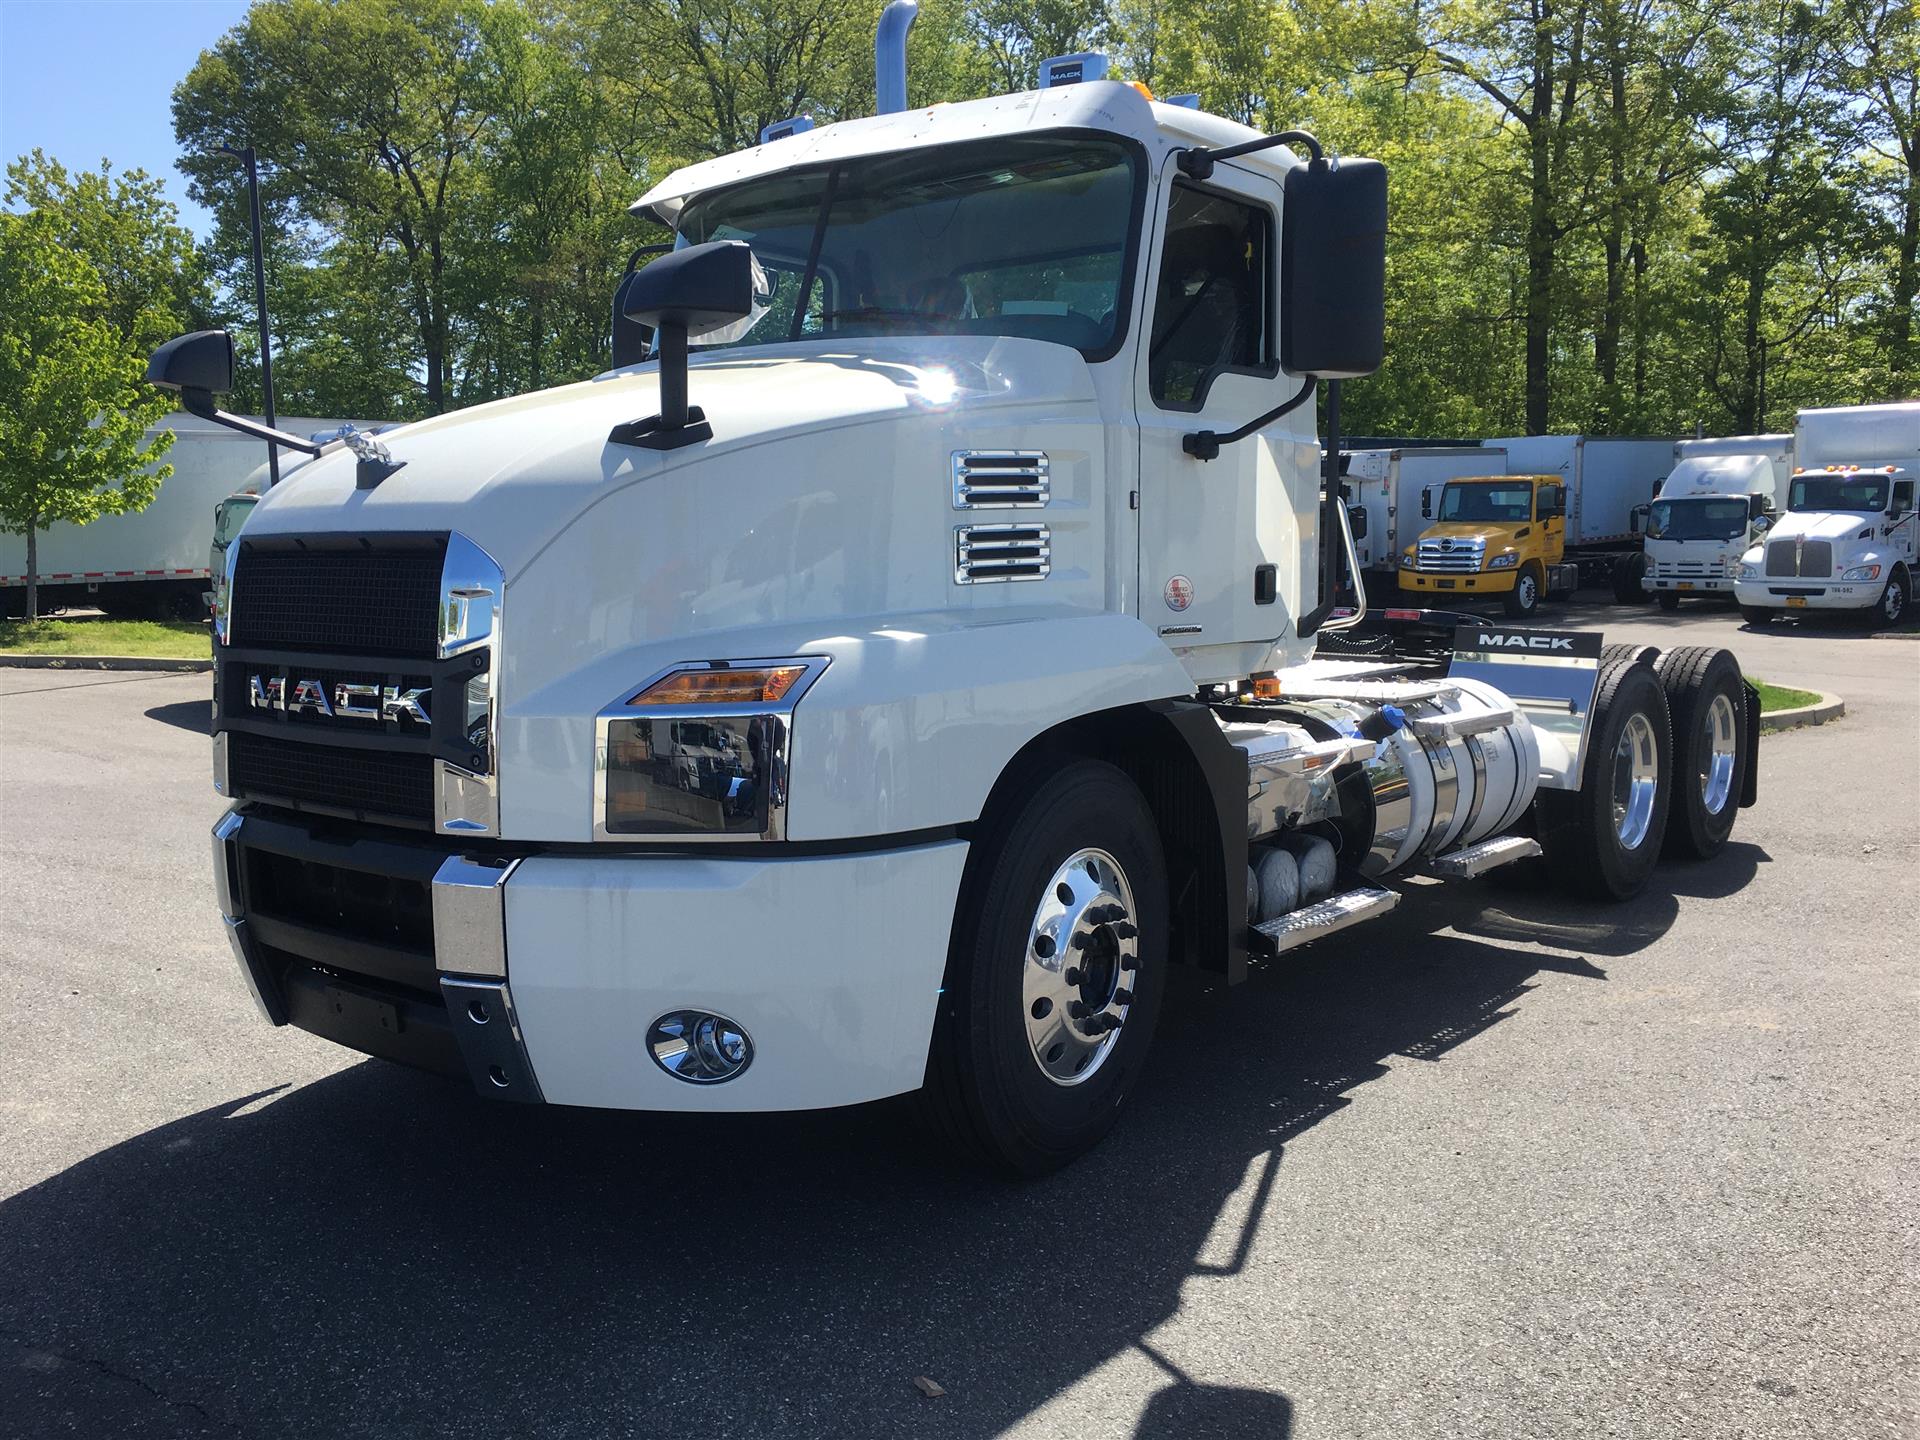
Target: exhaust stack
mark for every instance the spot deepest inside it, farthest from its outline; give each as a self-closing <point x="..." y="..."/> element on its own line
<point x="890" y="55"/>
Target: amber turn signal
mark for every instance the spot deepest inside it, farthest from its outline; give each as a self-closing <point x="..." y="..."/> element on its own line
<point x="752" y="686"/>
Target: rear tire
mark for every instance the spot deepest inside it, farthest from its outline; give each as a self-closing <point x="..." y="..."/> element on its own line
<point x="1627" y="575"/>
<point x="1014" y="1077"/>
<point x="1524" y="599"/>
<point x="1758" y="616"/>
<point x="1603" y="839"/>
<point x="1669" y="600"/>
<point x="1706" y="697"/>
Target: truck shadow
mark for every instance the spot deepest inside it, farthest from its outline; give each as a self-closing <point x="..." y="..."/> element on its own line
<point x="378" y="1252"/>
<point x="191" y="715"/>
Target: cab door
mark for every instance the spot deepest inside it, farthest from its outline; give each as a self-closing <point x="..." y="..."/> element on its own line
<point x="1550" y="511"/>
<point x="1223" y="544"/>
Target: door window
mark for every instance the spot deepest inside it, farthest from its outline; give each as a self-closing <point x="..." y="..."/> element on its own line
<point x="1902" y="496"/>
<point x="1213" y="308"/>
<point x="1548" y="501"/>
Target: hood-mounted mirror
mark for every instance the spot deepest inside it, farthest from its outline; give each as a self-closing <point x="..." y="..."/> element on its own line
<point x="696" y="293"/>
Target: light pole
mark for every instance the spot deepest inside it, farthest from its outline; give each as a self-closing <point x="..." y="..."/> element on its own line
<point x="260" y="303"/>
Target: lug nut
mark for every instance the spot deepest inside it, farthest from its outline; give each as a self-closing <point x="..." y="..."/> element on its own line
<point x="1123" y="996"/>
<point x="1072" y="975"/>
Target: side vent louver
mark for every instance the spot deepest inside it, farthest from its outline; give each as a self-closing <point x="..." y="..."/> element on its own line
<point x="984" y="553"/>
<point x="992" y="479"/>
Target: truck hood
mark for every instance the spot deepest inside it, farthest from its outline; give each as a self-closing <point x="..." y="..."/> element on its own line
<point x="1469" y="530"/>
<point x="1834" y="525"/>
<point x="513" y="474"/>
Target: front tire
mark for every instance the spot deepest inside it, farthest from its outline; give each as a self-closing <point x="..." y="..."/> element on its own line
<point x="1669" y="600"/>
<point x="1603" y="839"/>
<point x="1055" y="972"/>
<point x="1707" y="700"/>
<point x="1524" y="598"/>
<point x="1758" y="616"/>
<point x="1891" y="608"/>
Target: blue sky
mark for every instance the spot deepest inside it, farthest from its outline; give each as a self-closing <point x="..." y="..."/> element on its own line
<point x="86" y="79"/>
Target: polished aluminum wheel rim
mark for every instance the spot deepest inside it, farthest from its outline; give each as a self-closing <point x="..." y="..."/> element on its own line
<point x="1636" y="781"/>
<point x="1529" y="591"/>
<point x="1892" y="602"/>
<point x="1716" y="776"/>
<point x="1083" y="956"/>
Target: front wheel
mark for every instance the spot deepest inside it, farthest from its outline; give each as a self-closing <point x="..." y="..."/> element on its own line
<point x="1892" y="607"/>
<point x="1669" y="600"/>
<point x="1524" y="598"/>
<point x="1055" y="972"/>
<point x="1758" y="616"/>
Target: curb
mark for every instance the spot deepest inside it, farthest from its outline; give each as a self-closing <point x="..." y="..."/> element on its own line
<point x="1827" y="707"/>
<point x="102" y="662"/>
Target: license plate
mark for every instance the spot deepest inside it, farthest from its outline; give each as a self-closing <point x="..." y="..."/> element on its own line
<point x="1796" y="602"/>
<point x="1683" y="585"/>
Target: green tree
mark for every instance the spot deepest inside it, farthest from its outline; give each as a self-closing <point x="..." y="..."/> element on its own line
<point x="74" y="406"/>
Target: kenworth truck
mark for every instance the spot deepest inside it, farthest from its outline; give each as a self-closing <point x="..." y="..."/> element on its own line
<point x="878" y="687"/>
<point x="1847" y="540"/>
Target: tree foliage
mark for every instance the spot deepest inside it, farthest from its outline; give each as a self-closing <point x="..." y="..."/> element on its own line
<point x="1608" y="215"/>
<point x="93" y="273"/>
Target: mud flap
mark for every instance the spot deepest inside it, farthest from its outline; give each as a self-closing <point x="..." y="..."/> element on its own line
<point x="1750" y="785"/>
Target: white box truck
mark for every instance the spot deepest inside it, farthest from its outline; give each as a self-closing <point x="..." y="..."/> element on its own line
<point x="885" y="696"/>
<point x="1388" y="491"/>
<point x="1847" y="538"/>
<point x="152" y="562"/>
<point x="1720" y="497"/>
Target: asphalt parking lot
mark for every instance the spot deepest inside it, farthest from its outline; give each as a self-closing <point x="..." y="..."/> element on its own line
<point x="1499" y="1165"/>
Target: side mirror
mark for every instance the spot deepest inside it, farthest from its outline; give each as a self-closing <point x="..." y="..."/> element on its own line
<point x="1426" y="503"/>
<point x="1357" y="521"/>
<point x="1762" y="524"/>
<point x="201" y="362"/>
<point x="1333" y="269"/>
<point x="1637" y="518"/>
<point x="683" y="296"/>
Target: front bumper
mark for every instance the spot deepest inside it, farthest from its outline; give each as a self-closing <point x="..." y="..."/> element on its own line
<point x="1689" y="584"/>
<point x="1792" y="594"/>
<point x="1496" y="582"/>
<point x="538" y="976"/>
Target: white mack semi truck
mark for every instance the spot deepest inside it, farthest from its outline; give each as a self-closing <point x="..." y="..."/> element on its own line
<point x="882" y="697"/>
<point x="1721" y="496"/>
<point x="1847" y="540"/>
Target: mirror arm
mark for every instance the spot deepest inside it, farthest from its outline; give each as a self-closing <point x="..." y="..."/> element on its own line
<point x="1205" y="445"/>
<point x="1198" y="163"/>
<point x="1332" y="524"/>
<point x="200" y="402"/>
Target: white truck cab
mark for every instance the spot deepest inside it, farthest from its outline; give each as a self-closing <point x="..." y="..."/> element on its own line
<point x="1847" y="538"/>
<point x="880" y="683"/>
<point x="1710" y="509"/>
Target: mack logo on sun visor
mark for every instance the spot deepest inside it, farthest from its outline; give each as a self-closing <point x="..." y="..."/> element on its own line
<point x="1499" y="640"/>
<point x="342" y="700"/>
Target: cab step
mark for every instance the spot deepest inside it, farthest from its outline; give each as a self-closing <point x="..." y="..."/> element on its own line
<point x="1471" y="860"/>
<point x="1323" y="918"/>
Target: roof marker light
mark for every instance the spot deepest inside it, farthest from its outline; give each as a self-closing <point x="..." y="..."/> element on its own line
<point x="781" y="129"/>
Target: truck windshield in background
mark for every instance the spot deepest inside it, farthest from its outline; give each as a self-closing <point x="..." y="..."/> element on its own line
<point x="1698" y="519"/>
<point x="1486" y="500"/>
<point x="1026" y="237"/>
<point x="1852" y="491"/>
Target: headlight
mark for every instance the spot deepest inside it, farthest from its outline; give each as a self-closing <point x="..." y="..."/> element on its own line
<point x="1861" y="572"/>
<point x="1504" y="562"/>
<point x="1749" y="570"/>
<point x="1407" y="561"/>
<point x="700" y="752"/>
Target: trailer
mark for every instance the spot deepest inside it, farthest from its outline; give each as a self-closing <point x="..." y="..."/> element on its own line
<point x="923" y="639"/>
<point x="1847" y="538"/>
<point x="148" y="563"/>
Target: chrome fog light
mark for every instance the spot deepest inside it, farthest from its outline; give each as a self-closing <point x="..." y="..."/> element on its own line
<point x="699" y="1047"/>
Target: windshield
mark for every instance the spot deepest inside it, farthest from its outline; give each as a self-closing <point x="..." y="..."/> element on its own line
<point x="1026" y="237"/>
<point x="1851" y="491"/>
<point x="1698" y="519"/>
<point x="1483" y="501"/>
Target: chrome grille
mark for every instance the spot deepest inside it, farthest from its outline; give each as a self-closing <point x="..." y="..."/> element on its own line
<point x="991" y="479"/>
<point x="983" y="553"/>
<point x="1451" y="557"/>
<point x="1806" y="558"/>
